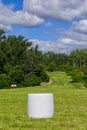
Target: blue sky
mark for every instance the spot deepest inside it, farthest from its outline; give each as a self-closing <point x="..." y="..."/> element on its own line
<point x="53" y="25"/>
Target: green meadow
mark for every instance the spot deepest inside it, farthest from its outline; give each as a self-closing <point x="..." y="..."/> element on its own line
<point x="70" y="101"/>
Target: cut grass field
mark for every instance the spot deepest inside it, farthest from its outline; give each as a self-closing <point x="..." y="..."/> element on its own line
<point x="70" y="106"/>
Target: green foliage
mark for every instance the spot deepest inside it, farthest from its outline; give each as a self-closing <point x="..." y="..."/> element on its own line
<point x="16" y="50"/>
<point x="58" y="59"/>
<point x="16" y="74"/>
<point x="18" y="59"/>
<point x="1" y="32"/>
<point x="84" y="79"/>
<point x="77" y="75"/>
<point x="73" y="64"/>
<point x="44" y="77"/>
<point x="65" y="68"/>
<point x="61" y="59"/>
<point x="4" y="81"/>
<point x="31" y="81"/>
<point x="78" y="58"/>
<point x="52" y="66"/>
<point x="62" y="79"/>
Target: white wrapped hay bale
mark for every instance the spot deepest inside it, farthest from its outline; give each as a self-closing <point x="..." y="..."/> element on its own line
<point x="41" y="105"/>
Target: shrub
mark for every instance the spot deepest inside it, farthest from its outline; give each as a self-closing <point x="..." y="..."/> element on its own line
<point x="16" y="74"/>
<point x="4" y="81"/>
<point x="77" y="75"/>
<point x="41" y="74"/>
<point x="65" y="68"/>
<point x="84" y="79"/>
<point x="44" y="77"/>
<point x="52" y="66"/>
<point x="32" y="81"/>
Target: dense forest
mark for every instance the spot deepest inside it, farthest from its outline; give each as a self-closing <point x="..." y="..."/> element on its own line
<point x="26" y="65"/>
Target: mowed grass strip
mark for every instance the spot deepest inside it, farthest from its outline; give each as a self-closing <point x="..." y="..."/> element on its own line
<point x="70" y="106"/>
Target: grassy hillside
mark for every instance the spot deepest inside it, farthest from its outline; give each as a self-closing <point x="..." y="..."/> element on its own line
<point x="70" y="106"/>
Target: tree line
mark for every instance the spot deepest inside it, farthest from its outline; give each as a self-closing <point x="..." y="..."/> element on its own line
<point x="26" y="65"/>
<point x="74" y="64"/>
<point x="19" y="62"/>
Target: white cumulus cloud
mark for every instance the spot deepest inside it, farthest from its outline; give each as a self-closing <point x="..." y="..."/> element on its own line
<point x="22" y="18"/>
<point x="5" y="27"/>
<point x="70" y="40"/>
<point x="80" y="26"/>
<point x="57" y="9"/>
